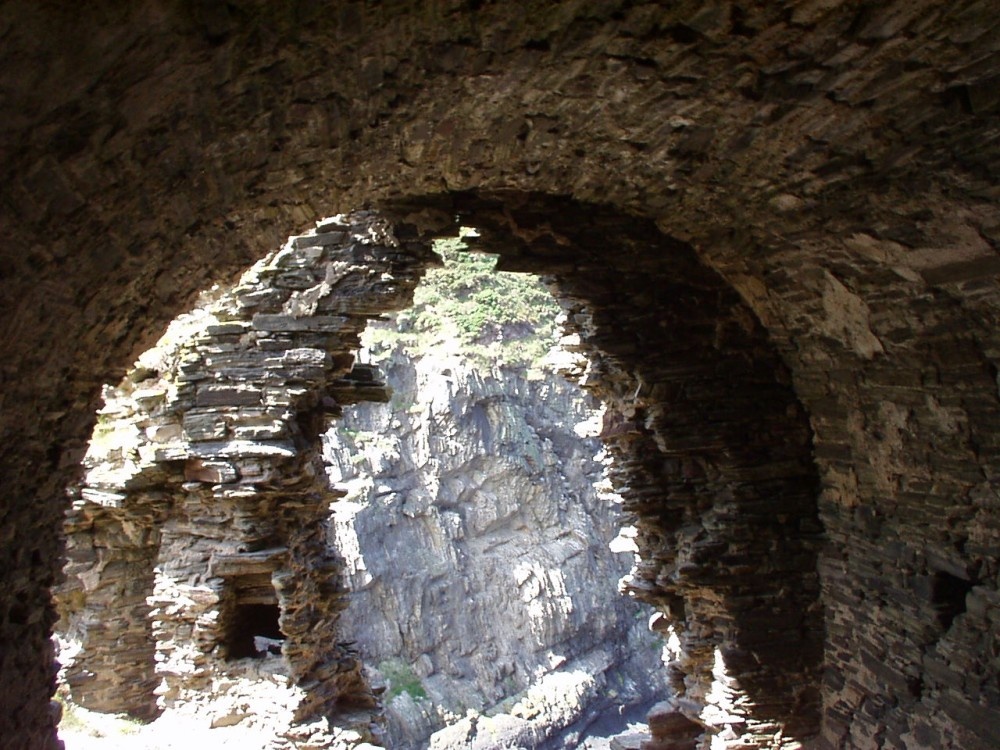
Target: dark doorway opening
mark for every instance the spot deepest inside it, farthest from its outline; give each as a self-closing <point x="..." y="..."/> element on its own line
<point x="948" y="594"/>
<point x="254" y="631"/>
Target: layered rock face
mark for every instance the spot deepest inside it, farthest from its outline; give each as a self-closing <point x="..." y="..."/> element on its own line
<point x="832" y="164"/>
<point x="478" y="560"/>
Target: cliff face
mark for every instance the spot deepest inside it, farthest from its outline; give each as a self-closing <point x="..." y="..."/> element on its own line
<point x="477" y="553"/>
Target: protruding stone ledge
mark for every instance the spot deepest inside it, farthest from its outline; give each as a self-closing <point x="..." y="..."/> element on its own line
<point x="248" y="563"/>
<point x="226" y="449"/>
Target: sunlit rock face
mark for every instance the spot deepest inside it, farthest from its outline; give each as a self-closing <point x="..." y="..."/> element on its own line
<point x="477" y="553"/>
<point x="832" y="162"/>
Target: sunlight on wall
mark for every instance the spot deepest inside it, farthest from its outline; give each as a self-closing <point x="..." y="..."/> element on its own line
<point x="347" y="542"/>
<point x="544" y="591"/>
<point x="720" y="713"/>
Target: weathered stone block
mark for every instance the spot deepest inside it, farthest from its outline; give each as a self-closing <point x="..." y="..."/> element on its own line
<point x="631" y="741"/>
<point x="262" y="298"/>
<point x="665" y="721"/>
<point x="283" y="323"/>
<point x="204" y="425"/>
<point x="228" y="395"/>
<point x="233" y="328"/>
<point x="211" y="472"/>
<point x="321" y="239"/>
<point x="296" y="279"/>
<point x="148" y="398"/>
<point x="238" y="449"/>
<point x="248" y="563"/>
<point x="164" y="433"/>
<point x="260" y="431"/>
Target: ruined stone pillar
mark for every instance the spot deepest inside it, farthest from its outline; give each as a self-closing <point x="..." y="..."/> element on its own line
<point x="226" y="427"/>
<point x="111" y="553"/>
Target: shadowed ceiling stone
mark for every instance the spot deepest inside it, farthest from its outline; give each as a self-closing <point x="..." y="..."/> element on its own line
<point x="833" y="163"/>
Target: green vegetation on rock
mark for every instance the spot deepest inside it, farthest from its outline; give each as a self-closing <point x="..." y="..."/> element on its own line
<point x="468" y="307"/>
<point x="401" y="679"/>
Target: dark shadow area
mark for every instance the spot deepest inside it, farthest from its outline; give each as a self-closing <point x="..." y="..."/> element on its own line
<point x="253" y="631"/>
<point x="948" y="594"/>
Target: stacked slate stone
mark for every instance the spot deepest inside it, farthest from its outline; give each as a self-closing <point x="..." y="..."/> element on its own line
<point x="707" y="501"/>
<point x="224" y="488"/>
<point x="110" y="556"/>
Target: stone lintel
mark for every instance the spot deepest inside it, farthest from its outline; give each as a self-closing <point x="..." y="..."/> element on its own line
<point x="248" y="563"/>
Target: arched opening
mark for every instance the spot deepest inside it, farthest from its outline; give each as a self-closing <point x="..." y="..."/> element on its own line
<point x="712" y="452"/>
<point x="477" y="543"/>
<point x="834" y="160"/>
<point x="948" y="593"/>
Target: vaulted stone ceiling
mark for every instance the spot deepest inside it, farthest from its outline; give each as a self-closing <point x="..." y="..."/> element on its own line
<point x="832" y="164"/>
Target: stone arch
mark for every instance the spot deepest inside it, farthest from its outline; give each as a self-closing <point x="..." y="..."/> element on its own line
<point x="713" y="451"/>
<point x="713" y="457"/>
<point x="832" y="161"/>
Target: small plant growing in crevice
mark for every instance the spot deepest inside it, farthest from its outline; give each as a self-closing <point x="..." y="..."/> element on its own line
<point x="401" y="679"/>
<point x="492" y="316"/>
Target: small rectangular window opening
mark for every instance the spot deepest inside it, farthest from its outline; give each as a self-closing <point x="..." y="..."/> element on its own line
<point x="253" y="631"/>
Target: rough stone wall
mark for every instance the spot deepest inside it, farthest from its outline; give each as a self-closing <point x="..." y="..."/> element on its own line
<point x="479" y="556"/>
<point x="221" y="486"/>
<point x="111" y="555"/>
<point x="832" y="161"/>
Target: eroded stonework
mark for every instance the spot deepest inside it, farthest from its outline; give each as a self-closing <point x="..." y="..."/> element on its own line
<point x="832" y="162"/>
<point x="222" y="490"/>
